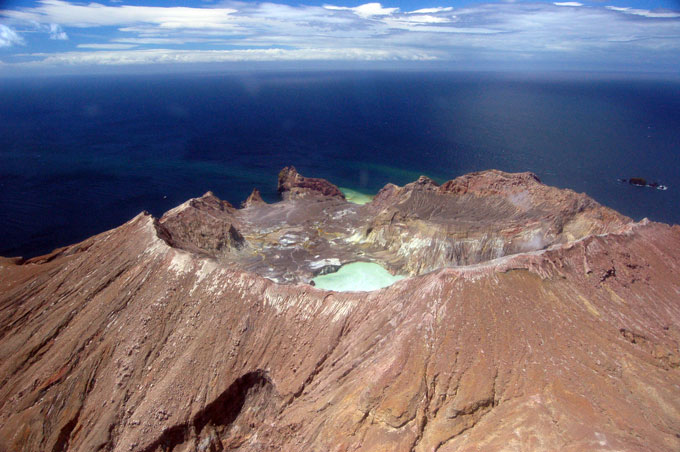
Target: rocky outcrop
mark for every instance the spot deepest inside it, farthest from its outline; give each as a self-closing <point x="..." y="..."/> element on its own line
<point x="146" y="338"/>
<point x="492" y="182"/>
<point x="202" y="225"/>
<point x="294" y="186"/>
<point x="254" y="199"/>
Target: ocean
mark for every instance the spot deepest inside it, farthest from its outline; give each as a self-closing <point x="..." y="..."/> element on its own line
<point x="83" y="154"/>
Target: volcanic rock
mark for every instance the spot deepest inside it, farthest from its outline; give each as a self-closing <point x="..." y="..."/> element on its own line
<point x="202" y="225"/>
<point x="253" y="199"/>
<point x="640" y="182"/>
<point x="293" y="185"/>
<point x="534" y="319"/>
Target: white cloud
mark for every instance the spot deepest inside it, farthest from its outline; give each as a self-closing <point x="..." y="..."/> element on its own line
<point x="568" y="4"/>
<point x="57" y="33"/>
<point x="366" y="10"/>
<point x="9" y="37"/>
<point x="431" y="10"/>
<point x="424" y="19"/>
<point x="645" y="12"/>
<point x="96" y="14"/>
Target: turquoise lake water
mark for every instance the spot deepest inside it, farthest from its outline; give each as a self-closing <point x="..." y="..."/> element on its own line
<point x="357" y="277"/>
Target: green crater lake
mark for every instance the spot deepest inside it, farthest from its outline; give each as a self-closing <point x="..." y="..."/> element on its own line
<point x="357" y="277"/>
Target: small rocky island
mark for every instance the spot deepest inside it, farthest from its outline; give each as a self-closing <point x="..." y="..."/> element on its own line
<point x="520" y="317"/>
<point x="642" y="182"/>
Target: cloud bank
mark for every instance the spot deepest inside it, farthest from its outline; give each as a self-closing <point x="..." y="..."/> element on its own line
<point x="554" y="33"/>
<point x="164" y="56"/>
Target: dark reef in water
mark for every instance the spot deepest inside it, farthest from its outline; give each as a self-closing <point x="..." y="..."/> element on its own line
<point x="641" y="182"/>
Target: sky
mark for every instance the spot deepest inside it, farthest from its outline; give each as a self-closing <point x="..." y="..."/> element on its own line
<point x="56" y="36"/>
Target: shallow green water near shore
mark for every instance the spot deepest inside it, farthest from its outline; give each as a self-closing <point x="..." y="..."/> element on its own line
<point x="355" y="196"/>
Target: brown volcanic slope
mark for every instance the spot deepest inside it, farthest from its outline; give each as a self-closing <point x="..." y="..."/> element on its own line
<point x="536" y="319"/>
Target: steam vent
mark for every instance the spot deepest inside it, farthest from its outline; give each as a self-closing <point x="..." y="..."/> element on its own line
<point x="507" y="315"/>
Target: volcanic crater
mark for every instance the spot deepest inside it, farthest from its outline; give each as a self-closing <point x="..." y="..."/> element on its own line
<point x="409" y="230"/>
<point x="536" y="319"/>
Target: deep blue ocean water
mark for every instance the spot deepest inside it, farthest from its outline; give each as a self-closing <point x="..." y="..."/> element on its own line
<point x="80" y="155"/>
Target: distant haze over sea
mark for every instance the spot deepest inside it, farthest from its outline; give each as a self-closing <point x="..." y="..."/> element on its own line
<point x="79" y="155"/>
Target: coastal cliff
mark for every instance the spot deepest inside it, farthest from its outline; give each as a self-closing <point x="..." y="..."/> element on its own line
<point x="533" y="318"/>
